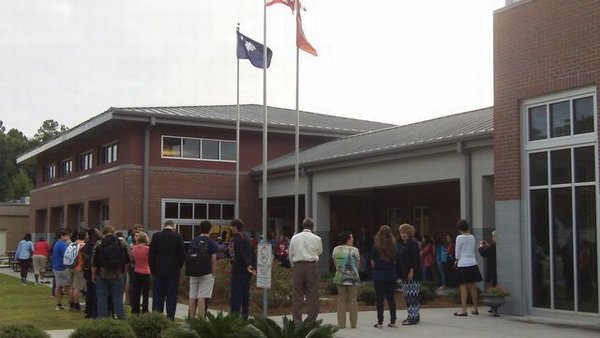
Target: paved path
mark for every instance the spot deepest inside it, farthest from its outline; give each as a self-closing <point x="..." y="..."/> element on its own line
<point x="441" y="323"/>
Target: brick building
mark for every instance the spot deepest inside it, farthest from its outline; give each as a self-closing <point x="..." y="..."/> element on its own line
<point x="146" y="165"/>
<point x="546" y="78"/>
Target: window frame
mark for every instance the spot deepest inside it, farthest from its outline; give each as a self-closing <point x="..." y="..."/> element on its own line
<point x="181" y="156"/>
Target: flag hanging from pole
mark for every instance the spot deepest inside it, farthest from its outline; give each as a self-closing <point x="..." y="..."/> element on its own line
<point x="252" y="50"/>
<point x="301" y="41"/>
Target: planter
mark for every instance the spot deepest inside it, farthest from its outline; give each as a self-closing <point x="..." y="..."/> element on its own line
<point x="494" y="302"/>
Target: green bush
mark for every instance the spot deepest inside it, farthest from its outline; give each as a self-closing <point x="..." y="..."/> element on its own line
<point x="280" y="293"/>
<point x="149" y="325"/>
<point x="427" y="292"/>
<point x="366" y="293"/>
<point x="330" y="286"/>
<point x="104" y="328"/>
<point x="22" y="331"/>
<point x="455" y="296"/>
<point x="179" y="331"/>
<point x="231" y="325"/>
<point x="269" y="328"/>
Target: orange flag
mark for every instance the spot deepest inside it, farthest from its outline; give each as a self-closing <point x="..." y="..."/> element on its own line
<point x="301" y="41"/>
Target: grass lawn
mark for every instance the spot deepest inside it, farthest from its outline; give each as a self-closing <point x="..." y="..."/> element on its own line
<point x="33" y="304"/>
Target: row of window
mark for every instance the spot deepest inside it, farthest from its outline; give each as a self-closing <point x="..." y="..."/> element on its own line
<point x="108" y="154"/>
<point x="198" y="148"/>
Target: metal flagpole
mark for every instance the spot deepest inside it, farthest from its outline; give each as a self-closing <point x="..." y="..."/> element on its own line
<point x="264" y="173"/>
<point x="237" y="139"/>
<point x="297" y="161"/>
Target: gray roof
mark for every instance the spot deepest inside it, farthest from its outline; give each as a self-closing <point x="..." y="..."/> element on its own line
<point x="223" y="116"/>
<point x="251" y="115"/>
<point x="464" y="126"/>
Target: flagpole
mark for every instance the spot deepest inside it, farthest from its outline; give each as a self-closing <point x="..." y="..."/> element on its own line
<point x="264" y="173"/>
<point x="237" y="141"/>
<point x="297" y="133"/>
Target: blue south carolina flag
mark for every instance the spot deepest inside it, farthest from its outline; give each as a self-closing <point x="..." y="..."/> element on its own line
<point x="252" y="50"/>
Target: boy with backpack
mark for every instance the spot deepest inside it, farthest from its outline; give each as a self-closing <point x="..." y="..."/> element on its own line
<point x="73" y="260"/>
<point x="110" y="258"/>
<point x="200" y="265"/>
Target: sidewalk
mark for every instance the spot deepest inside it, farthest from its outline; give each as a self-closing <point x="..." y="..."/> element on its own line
<point x="438" y="323"/>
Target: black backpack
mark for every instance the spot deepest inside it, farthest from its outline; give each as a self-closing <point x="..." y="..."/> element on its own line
<point x="112" y="253"/>
<point x="198" y="262"/>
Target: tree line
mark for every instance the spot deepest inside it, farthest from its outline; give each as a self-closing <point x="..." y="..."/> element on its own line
<point x="16" y="180"/>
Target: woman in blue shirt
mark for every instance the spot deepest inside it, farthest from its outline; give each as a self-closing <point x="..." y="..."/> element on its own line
<point x="383" y="264"/>
<point x="23" y="255"/>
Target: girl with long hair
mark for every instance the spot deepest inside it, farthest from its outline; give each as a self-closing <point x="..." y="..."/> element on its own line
<point x="383" y="264"/>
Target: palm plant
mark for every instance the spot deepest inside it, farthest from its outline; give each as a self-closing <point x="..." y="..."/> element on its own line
<point x="314" y="329"/>
<point x="229" y="326"/>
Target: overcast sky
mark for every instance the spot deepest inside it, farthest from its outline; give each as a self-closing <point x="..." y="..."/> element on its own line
<point x="396" y="61"/>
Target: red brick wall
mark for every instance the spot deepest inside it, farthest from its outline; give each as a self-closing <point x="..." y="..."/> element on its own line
<point x="540" y="47"/>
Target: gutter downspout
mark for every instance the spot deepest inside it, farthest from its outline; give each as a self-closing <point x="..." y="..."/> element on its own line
<point x="146" y="182"/>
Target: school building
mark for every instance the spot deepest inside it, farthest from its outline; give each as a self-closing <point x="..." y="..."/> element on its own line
<point x="527" y="167"/>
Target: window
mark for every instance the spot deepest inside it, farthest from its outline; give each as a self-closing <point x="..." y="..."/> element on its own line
<point x="86" y="160"/>
<point x="561" y="191"/>
<point x="50" y="172"/>
<point x="561" y="118"/>
<point x="66" y="167"/>
<point x="198" y="149"/>
<point x="104" y="213"/>
<point x="188" y="214"/>
<point x="109" y="153"/>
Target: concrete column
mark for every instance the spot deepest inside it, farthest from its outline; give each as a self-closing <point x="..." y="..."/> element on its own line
<point x="322" y="227"/>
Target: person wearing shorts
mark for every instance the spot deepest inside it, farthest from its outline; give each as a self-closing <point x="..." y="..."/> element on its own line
<point x="201" y="287"/>
<point x="61" y="273"/>
<point x="41" y="251"/>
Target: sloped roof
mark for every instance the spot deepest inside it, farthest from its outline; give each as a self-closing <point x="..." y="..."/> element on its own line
<point x="251" y="117"/>
<point x="452" y="128"/>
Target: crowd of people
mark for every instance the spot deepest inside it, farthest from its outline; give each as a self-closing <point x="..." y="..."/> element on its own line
<point x="114" y="269"/>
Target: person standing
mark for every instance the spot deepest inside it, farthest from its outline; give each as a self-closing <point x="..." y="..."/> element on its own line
<point x="23" y="255"/>
<point x="91" y="305"/>
<point x="242" y="269"/>
<point x="41" y="251"/>
<point x="59" y="270"/>
<point x="441" y="257"/>
<point x="467" y="272"/>
<point x="140" y="280"/>
<point x="383" y="266"/>
<point x="488" y="250"/>
<point x="76" y="274"/>
<point x="347" y="259"/>
<point x="305" y="249"/>
<point x="166" y="257"/>
<point x="201" y="266"/>
<point x="110" y="259"/>
<point x="408" y="252"/>
<point x="427" y="258"/>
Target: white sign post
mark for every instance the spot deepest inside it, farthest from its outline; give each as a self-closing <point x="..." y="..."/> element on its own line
<point x="264" y="262"/>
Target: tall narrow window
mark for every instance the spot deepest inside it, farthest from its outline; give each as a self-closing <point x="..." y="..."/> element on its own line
<point x="109" y="153"/>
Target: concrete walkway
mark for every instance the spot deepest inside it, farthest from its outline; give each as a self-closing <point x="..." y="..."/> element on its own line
<point x="439" y="323"/>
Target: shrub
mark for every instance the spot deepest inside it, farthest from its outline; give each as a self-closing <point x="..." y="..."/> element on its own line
<point x="498" y="291"/>
<point x="222" y="287"/>
<point x="219" y="326"/>
<point x="280" y="293"/>
<point x="455" y="296"/>
<point x="179" y="331"/>
<point x="330" y="286"/>
<point x="22" y="331"/>
<point x="104" y="328"/>
<point x="366" y="293"/>
<point x="149" y="325"/>
<point x="427" y="292"/>
<point x="269" y="328"/>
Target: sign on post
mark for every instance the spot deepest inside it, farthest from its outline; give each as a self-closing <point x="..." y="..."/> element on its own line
<point x="264" y="259"/>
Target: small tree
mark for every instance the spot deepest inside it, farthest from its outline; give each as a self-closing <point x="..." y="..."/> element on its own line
<point x="20" y="185"/>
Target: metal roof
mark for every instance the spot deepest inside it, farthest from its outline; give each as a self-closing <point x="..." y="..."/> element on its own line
<point x="251" y="115"/>
<point x="447" y="129"/>
<point x="224" y="116"/>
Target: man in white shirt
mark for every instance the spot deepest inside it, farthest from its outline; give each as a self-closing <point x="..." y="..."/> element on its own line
<point x="305" y="248"/>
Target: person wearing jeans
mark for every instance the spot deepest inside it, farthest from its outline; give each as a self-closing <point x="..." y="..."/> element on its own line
<point x="242" y="269"/>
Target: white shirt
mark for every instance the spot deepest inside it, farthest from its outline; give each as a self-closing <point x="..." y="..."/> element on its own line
<point x="305" y="246"/>
<point x="465" y="250"/>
